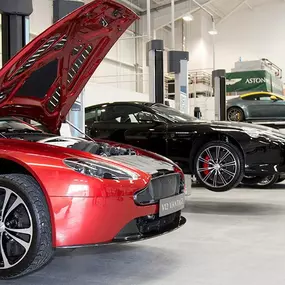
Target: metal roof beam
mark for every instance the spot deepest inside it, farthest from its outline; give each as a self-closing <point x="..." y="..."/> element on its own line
<point x="232" y="11"/>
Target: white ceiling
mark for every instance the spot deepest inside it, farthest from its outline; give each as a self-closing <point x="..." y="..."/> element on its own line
<point x="221" y="9"/>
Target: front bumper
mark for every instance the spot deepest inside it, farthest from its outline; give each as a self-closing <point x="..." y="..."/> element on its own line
<point x="150" y="226"/>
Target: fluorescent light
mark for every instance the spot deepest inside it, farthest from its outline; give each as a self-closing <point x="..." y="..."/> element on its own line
<point x="213" y="32"/>
<point x="188" y="18"/>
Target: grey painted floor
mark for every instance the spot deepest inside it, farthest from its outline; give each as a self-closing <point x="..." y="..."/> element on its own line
<point x="233" y="238"/>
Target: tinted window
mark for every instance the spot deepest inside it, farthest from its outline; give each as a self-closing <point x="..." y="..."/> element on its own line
<point x="94" y="114"/>
<point x="258" y="97"/>
<point x="123" y="114"/>
<point x="120" y="114"/>
<point x="171" y="114"/>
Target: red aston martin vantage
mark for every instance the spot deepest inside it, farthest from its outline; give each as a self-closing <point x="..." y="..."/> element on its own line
<point x="89" y="192"/>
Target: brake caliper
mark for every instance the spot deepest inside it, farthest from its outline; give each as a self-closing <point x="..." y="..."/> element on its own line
<point x="206" y="165"/>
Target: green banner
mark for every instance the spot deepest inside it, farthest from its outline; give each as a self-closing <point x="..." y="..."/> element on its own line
<point x="253" y="81"/>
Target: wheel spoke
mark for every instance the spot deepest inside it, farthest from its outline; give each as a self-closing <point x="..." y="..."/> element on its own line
<point x="218" y="148"/>
<point x="232" y="163"/>
<point x="23" y="243"/>
<point x="224" y="156"/>
<point x="230" y="173"/>
<point x="205" y="169"/>
<point x="201" y="159"/>
<point x="215" y="179"/>
<point x="207" y="176"/>
<point x="6" y="200"/>
<point x="3" y="254"/>
<point x="222" y="177"/>
<point x="209" y="155"/>
<point x="16" y="203"/>
<point x="26" y="231"/>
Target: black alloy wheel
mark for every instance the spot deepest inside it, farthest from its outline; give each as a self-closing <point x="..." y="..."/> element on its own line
<point x="219" y="166"/>
<point x="261" y="182"/>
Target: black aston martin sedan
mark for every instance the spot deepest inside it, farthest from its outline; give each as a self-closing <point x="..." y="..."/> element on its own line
<point x="219" y="153"/>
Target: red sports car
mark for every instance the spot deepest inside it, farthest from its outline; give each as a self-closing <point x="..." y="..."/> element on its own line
<point x="89" y="192"/>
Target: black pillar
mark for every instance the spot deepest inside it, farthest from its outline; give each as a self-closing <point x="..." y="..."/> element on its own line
<point x="61" y="8"/>
<point x="154" y="60"/>
<point x="14" y="13"/>
<point x="219" y="85"/>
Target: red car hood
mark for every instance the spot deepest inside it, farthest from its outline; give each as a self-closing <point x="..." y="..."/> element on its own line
<point x="44" y="79"/>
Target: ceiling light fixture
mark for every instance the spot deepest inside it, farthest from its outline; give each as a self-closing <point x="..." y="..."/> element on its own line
<point x="214" y="31"/>
<point x="188" y="18"/>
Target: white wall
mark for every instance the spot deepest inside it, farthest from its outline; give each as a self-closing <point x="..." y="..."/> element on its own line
<point x="252" y="34"/>
<point x="42" y="17"/>
<point x="99" y="93"/>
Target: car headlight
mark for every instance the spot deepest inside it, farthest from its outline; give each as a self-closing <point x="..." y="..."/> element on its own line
<point x="99" y="169"/>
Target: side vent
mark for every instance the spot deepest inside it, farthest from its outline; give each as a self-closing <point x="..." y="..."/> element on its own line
<point x="38" y="53"/>
<point x="5" y="93"/>
<point x="54" y="101"/>
<point x="76" y="50"/>
<point x="78" y="63"/>
<point x="61" y="43"/>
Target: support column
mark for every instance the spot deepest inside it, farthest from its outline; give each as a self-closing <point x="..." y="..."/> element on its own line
<point x="15" y="26"/>
<point x="178" y="64"/>
<point x="154" y="60"/>
<point x="219" y="85"/>
<point x="76" y="116"/>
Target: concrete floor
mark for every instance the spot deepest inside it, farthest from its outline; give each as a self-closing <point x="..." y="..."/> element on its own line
<point x="233" y="238"/>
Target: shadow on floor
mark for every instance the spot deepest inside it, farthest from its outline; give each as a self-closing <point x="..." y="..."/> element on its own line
<point x="233" y="208"/>
<point x="114" y="264"/>
<point x="278" y="186"/>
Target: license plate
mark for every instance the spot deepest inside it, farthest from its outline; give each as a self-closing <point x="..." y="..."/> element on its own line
<point x="171" y="205"/>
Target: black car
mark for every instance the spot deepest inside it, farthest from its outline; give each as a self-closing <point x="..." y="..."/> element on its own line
<point x="220" y="154"/>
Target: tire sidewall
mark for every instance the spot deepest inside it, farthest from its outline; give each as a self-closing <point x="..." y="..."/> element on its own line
<point x="240" y="167"/>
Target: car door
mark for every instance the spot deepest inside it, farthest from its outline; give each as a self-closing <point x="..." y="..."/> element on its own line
<point x="129" y="124"/>
<point x="278" y="108"/>
<point x="260" y="106"/>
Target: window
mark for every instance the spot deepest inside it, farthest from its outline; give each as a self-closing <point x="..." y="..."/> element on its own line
<point x="258" y="97"/>
<point x="172" y="114"/>
<point x="121" y="114"/>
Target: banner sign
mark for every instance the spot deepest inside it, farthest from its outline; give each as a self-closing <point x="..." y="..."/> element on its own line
<point x="253" y="81"/>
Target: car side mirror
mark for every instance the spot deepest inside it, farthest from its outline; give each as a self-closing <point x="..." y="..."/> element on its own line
<point x="273" y="98"/>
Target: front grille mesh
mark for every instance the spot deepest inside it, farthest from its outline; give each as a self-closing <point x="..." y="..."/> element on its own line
<point x="159" y="188"/>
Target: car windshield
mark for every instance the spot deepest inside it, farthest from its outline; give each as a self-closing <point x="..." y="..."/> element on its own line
<point x="15" y="125"/>
<point x="172" y="114"/>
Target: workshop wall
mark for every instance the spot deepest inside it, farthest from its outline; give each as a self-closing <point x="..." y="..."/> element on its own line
<point x="252" y="34"/>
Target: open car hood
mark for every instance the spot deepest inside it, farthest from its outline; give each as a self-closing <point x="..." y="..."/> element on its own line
<point x="45" y="78"/>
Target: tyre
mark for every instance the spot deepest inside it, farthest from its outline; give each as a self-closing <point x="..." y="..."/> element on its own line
<point x="219" y="166"/>
<point x="235" y="114"/>
<point x="261" y="182"/>
<point x="280" y="180"/>
<point x="25" y="226"/>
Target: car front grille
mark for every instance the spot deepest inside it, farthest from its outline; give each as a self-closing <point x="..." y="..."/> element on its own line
<point x="159" y="188"/>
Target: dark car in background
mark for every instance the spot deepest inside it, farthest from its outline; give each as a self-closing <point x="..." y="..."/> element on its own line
<point x="220" y="154"/>
<point x="254" y="106"/>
